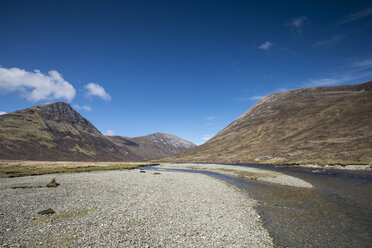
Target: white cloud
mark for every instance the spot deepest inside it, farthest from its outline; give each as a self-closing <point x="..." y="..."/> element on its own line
<point x="207" y="137"/>
<point x="2" y="113"/>
<point x="83" y="107"/>
<point x="259" y="97"/>
<point x="339" y="78"/>
<point x="297" y="23"/>
<point x="266" y="46"/>
<point x="325" y="81"/>
<point x="281" y="90"/>
<point x="252" y="98"/>
<point x="348" y="77"/>
<point x="109" y="132"/>
<point x="359" y="70"/>
<point x="330" y="42"/>
<point x="363" y="63"/>
<point x="356" y="16"/>
<point x="97" y="90"/>
<point x="210" y="118"/>
<point x="36" y="86"/>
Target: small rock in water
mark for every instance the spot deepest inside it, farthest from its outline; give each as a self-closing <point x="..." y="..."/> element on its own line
<point x="48" y="211"/>
<point x="156" y="173"/>
<point x="142" y="171"/>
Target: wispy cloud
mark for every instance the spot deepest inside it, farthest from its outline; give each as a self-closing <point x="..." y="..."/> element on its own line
<point x="330" y="42"/>
<point x="252" y="98"/>
<point x="363" y="63"/>
<point x="297" y="23"/>
<point x="34" y="85"/>
<point x="83" y="107"/>
<point x="357" y="15"/>
<point x="209" y="118"/>
<point x="266" y="45"/>
<point x="94" y="89"/>
<point x="2" y="113"/>
<point x="268" y="76"/>
<point x="328" y="81"/>
<point x="109" y="132"/>
<point x="207" y="137"/>
<point x="281" y="90"/>
<point x="360" y="69"/>
<point x="337" y="78"/>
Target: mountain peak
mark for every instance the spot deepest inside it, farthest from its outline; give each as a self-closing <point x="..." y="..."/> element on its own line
<point x="56" y="131"/>
<point x="53" y="132"/>
<point x="58" y="114"/>
<point x="169" y="139"/>
<point x="153" y="146"/>
<point x="54" y="105"/>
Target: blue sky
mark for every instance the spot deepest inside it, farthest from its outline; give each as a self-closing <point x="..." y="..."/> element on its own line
<point x="188" y="68"/>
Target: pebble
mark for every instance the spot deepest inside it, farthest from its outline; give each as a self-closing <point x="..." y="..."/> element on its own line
<point x="129" y="209"/>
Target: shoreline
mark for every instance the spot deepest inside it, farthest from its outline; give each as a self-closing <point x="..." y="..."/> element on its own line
<point x="245" y="173"/>
<point x="130" y="208"/>
<point x="351" y="167"/>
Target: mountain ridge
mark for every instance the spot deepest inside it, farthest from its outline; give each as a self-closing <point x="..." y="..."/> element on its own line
<point x="153" y="146"/>
<point x="58" y="132"/>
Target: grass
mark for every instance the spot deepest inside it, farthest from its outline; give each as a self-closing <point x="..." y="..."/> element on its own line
<point x="21" y="171"/>
<point x="64" y="215"/>
<point x="324" y="127"/>
<point x="77" y="148"/>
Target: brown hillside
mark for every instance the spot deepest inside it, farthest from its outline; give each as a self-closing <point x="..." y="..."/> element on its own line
<point x="321" y="125"/>
<point x="55" y="132"/>
<point x="153" y="146"/>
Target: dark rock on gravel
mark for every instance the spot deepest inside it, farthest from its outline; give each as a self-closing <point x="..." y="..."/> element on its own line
<point x="48" y="211"/>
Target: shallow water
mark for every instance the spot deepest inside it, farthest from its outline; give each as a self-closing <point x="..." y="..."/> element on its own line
<point x="337" y="212"/>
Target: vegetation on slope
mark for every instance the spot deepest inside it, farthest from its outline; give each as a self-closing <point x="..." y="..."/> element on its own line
<point x="323" y="125"/>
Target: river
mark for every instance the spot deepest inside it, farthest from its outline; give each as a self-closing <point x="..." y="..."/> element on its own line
<point x="337" y="212"/>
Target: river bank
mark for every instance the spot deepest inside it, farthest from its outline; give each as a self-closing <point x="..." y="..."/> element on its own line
<point x="335" y="212"/>
<point x="247" y="173"/>
<point x="128" y="209"/>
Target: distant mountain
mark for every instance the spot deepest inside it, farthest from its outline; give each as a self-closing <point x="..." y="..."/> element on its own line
<point x="57" y="132"/>
<point x="153" y="146"/>
<point x="321" y="124"/>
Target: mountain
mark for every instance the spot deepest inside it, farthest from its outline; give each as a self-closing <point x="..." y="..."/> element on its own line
<point x="153" y="146"/>
<point x="54" y="132"/>
<point x="57" y="132"/>
<point x="324" y="125"/>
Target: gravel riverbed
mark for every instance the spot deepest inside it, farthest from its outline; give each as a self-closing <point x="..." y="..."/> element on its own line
<point x="128" y="209"/>
<point x="243" y="172"/>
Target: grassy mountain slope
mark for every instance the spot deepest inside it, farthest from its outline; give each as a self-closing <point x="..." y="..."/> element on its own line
<point x="322" y="125"/>
<point x="55" y="132"/>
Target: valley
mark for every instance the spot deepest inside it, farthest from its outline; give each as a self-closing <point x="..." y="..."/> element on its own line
<point x="176" y="124"/>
